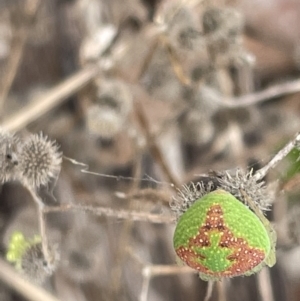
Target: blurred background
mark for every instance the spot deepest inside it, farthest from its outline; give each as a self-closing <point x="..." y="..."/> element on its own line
<point x="149" y="93"/>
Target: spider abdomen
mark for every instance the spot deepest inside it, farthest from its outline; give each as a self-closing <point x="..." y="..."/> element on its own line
<point x="220" y="237"/>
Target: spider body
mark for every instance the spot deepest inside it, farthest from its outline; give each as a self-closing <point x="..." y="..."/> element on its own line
<point x="221" y="237"/>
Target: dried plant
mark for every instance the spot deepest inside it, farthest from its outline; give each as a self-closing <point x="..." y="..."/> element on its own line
<point x="170" y="105"/>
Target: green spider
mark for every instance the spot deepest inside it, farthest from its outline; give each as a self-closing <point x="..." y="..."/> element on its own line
<point x="219" y="236"/>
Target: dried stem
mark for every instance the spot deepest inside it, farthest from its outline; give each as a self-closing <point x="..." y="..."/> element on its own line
<point x="154" y="149"/>
<point x="43" y="232"/>
<point x="175" y="63"/>
<point x="261" y="173"/>
<point x="16" y="53"/>
<point x="265" y="285"/>
<point x="114" y="213"/>
<point x="42" y="222"/>
<point x="257" y="97"/>
<point x="9" y="276"/>
<point x="55" y="96"/>
<point x="221" y="290"/>
<point x="209" y="290"/>
<point x="159" y="270"/>
<point x="145" y="286"/>
<point x="116" y="272"/>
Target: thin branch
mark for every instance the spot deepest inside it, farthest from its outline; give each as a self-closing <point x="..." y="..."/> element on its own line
<point x="269" y="93"/>
<point x="209" y="290"/>
<point x="42" y="222"/>
<point x="261" y="173"/>
<point x="124" y="239"/>
<point x="221" y="290"/>
<point x="13" y="279"/>
<point x="43" y="232"/>
<point x="55" y="96"/>
<point x="154" y="149"/>
<point x="146" y="282"/>
<point x="146" y="178"/>
<point x="114" y="213"/>
<point x="17" y="50"/>
<point x="265" y="285"/>
<point x="175" y="63"/>
<point x="162" y="270"/>
<point x="159" y="270"/>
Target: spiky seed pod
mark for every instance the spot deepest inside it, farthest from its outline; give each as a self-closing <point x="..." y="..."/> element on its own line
<point x="40" y="160"/>
<point x="34" y="264"/>
<point x="220" y="237"/>
<point x="243" y="183"/>
<point x="238" y="184"/>
<point x="9" y="156"/>
<point x="188" y="195"/>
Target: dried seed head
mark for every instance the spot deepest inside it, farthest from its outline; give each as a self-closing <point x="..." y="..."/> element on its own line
<point x="243" y="183"/>
<point x="34" y="265"/>
<point x="9" y="156"/>
<point x="239" y="184"/>
<point x="40" y="160"/>
<point x="190" y="193"/>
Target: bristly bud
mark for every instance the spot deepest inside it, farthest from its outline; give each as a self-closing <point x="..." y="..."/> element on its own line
<point x="40" y="160"/>
<point x="239" y="184"/>
<point x="190" y="193"/>
<point x="34" y="265"/>
<point x="9" y="156"/>
<point x="244" y="183"/>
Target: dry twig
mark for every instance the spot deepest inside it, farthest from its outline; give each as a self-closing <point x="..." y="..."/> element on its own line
<point x="43" y="104"/>
<point x="16" y="54"/>
<point x="264" y="95"/>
